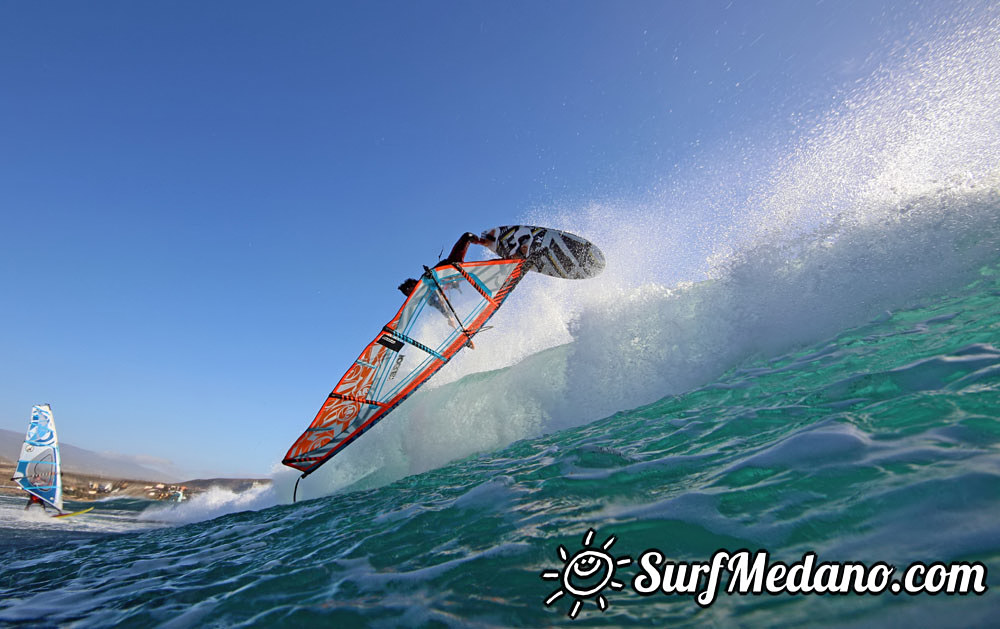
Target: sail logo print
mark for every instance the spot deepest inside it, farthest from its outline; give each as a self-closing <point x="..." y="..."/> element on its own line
<point x="39" y="431"/>
<point x="586" y="573"/>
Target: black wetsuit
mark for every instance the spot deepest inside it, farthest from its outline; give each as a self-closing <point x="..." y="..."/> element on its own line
<point x="456" y="256"/>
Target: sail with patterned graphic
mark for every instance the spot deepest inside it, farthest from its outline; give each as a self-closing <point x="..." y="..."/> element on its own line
<point x="450" y="304"/>
<point x="37" y="471"/>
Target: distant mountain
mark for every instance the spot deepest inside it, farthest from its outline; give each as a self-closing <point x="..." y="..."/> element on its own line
<point x="81" y="461"/>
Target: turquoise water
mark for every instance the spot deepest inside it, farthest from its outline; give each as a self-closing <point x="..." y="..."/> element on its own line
<point x="879" y="443"/>
<point x="814" y="366"/>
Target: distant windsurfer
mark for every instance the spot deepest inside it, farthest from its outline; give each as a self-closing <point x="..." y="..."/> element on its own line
<point x="37" y="481"/>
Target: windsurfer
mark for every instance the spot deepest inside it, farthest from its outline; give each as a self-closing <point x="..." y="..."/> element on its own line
<point x="458" y="252"/>
<point x="34" y="500"/>
<point x="435" y="300"/>
<point x="456" y="256"/>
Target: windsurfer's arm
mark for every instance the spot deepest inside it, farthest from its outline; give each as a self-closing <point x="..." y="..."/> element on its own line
<point x="462" y="246"/>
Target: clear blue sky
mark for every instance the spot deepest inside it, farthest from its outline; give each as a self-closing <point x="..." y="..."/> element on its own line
<point x="206" y="206"/>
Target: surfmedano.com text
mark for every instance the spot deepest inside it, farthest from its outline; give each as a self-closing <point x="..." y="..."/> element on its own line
<point x="754" y="574"/>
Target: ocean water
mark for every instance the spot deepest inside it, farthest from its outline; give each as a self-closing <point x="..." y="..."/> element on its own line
<point x="804" y="359"/>
<point x="881" y="442"/>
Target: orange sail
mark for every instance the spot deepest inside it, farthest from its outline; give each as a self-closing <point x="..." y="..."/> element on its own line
<point x="449" y="305"/>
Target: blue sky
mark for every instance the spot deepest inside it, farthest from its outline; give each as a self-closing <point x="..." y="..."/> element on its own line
<point x="206" y="206"/>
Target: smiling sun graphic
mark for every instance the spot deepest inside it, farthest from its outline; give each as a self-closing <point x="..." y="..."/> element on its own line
<point x="586" y="574"/>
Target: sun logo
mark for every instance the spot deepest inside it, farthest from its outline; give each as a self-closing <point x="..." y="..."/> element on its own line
<point x="586" y="574"/>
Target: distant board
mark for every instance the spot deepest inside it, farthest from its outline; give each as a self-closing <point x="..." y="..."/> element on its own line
<point x="66" y="515"/>
<point x="547" y="251"/>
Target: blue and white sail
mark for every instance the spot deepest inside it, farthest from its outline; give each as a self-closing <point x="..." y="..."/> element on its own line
<point x="38" y="467"/>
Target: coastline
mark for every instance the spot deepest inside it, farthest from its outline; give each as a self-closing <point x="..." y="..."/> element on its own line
<point x="90" y="487"/>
